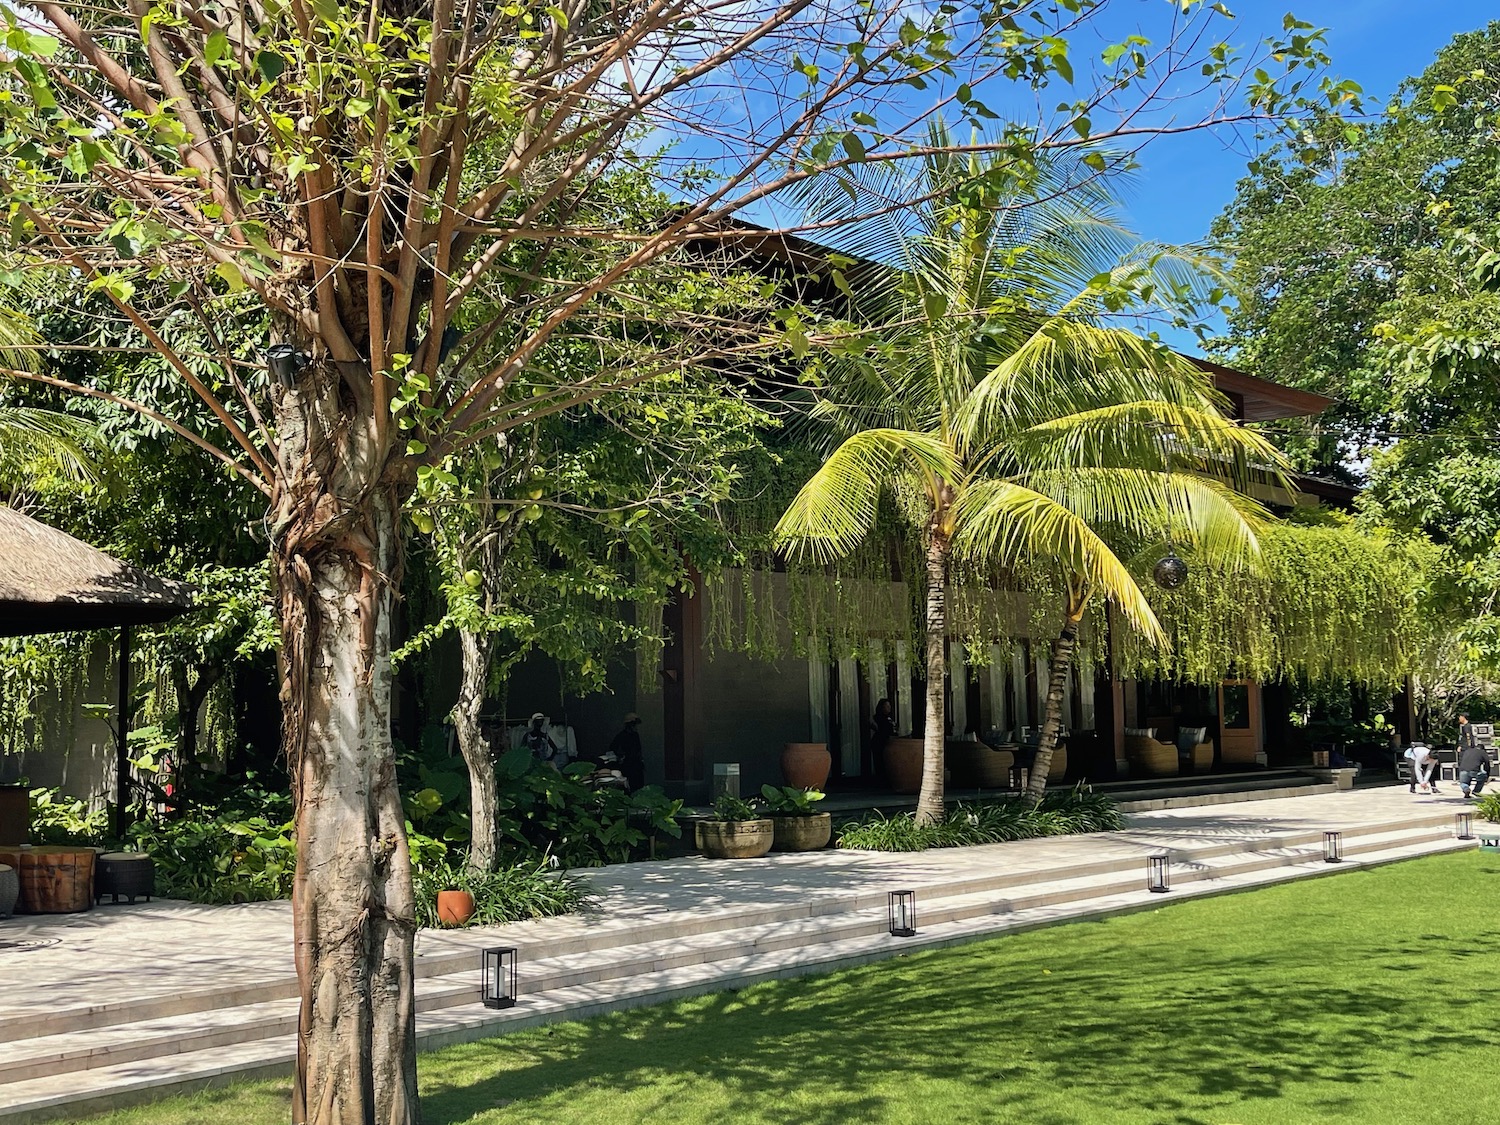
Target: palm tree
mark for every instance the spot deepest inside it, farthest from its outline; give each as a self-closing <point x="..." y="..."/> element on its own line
<point x="1025" y="426"/>
<point x="33" y="440"/>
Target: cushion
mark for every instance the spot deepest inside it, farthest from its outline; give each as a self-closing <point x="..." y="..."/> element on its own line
<point x="1189" y="737"/>
<point x="1140" y="732"/>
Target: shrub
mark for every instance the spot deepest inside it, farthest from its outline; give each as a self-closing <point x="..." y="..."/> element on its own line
<point x="1488" y="806"/>
<point x="544" y="812"/>
<point x="56" y="819"/>
<point x="966" y="825"/>
<point x="514" y="894"/>
<point x="219" y="858"/>
<point x="728" y="807"/>
<point x="788" y="800"/>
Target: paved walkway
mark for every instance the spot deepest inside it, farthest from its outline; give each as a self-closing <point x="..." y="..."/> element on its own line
<point x="114" y="954"/>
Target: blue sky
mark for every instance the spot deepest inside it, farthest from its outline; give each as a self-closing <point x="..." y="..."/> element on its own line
<point x="1184" y="182"/>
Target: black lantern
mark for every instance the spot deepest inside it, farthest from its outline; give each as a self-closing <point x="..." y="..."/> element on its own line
<point x="1158" y="873"/>
<point x="1333" y="847"/>
<point x="1020" y="778"/>
<point x="1170" y="572"/>
<point x="286" y="363"/>
<point x="901" y="911"/>
<point x="1463" y="826"/>
<point x="498" y="973"/>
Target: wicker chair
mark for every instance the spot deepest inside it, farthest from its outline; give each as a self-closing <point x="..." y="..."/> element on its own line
<point x="977" y="766"/>
<point x="1195" y="749"/>
<point x="1150" y="758"/>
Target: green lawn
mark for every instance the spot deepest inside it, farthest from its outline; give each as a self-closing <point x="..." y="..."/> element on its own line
<point x="1366" y="997"/>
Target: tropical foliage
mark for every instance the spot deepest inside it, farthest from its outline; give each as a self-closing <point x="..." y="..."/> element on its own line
<point x="510" y="894"/>
<point x="964" y="825"/>
<point x="1365" y="257"/>
<point x="1008" y="419"/>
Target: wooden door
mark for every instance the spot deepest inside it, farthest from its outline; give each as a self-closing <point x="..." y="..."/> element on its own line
<point x="1240" y="728"/>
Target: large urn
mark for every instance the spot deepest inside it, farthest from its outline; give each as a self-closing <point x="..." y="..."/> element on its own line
<point x="903" y="765"/>
<point x="806" y="765"/>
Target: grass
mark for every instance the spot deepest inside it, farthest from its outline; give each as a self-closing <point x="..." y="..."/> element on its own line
<point x="1360" y="998"/>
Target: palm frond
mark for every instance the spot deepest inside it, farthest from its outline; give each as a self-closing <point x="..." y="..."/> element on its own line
<point x="835" y="510"/>
<point x="1221" y="523"/>
<point x="1150" y="434"/>
<point x="1005" y="522"/>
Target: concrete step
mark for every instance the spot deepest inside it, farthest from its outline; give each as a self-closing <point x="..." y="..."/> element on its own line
<point x="574" y="986"/>
<point x="230" y="1025"/>
<point x="447" y="952"/>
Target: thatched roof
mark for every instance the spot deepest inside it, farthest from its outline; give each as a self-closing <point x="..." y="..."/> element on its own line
<point x="51" y="582"/>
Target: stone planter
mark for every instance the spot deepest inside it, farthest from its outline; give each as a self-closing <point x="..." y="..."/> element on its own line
<point x="735" y="839"/>
<point x="10" y="890"/>
<point x="455" y="908"/>
<point x="802" y="833"/>
<point x="903" y="764"/>
<point x="806" y="765"/>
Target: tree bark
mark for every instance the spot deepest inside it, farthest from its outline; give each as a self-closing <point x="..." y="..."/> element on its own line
<point x="930" y="807"/>
<point x="336" y="552"/>
<point x="1057" y="681"/>
<point x="478" y="754"/>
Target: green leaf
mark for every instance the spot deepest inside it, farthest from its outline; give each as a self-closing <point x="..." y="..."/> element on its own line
<point x="216" y="48"/>
<point x="231" y="275"/>
<point x="271" y="65"/>
<point x="854" y="146"/>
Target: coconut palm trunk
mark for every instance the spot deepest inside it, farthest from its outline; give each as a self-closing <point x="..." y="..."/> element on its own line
<point x="930" y="809"/>
<point x="1059" y="668"/>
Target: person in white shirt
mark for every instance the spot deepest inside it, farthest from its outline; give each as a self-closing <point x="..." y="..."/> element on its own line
<point x="1424" y="766"/>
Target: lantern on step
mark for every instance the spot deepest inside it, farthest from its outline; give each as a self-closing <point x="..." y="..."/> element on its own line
<point x="1463" y="826"/>
<point x="901" y="912"/>
<point x="1333" y="847"/>
<point x="498" y="977"/>
<point x="1158" y="873"/>
<point x="1170" y="572"/>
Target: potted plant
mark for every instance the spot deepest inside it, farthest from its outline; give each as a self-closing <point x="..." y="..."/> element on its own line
<point x="798" y="826"/>
<point x="735" y="831"/>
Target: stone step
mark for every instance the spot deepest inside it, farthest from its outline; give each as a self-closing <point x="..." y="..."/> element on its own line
<point x="94" y="1048"/>
<point x="444" y="952"/>
<point x="125" y="1082"/>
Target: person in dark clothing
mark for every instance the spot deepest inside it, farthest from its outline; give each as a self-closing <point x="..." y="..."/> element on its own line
<point x="1473" y="759"/>
<point x="539" y="741"/>
<point x="626" y="748"/>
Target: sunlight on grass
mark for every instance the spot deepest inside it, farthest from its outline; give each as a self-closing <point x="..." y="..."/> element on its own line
<point x="1356" y="998"/>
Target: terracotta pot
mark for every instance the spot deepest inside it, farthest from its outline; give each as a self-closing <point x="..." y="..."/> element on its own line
<point x="735" y="839"/>
<point x="802" y="833"/>
<point x="455" y="908"/>
<point x="903" y="764"/>
<point x="806" y="765"/>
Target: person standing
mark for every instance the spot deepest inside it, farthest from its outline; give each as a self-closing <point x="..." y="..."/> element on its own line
<point x="629" y="758"/>
<point x="1473" y="759"/>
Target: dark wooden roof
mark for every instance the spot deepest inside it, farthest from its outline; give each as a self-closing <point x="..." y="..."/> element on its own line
<point x="1260" y="400"/>
<point x="51" y="582"/>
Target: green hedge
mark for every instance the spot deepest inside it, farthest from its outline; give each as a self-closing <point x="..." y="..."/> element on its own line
<point x="991" y="823"/>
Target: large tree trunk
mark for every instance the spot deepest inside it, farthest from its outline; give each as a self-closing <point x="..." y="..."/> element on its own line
<point x="336" y="550"/>
<point x="1057" y="682"/>
<point x="930" y="808"/>
<point x="478" y="754"/>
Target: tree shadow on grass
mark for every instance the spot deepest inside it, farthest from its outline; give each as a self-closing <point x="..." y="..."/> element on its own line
<point x="1164" y="1030"/>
